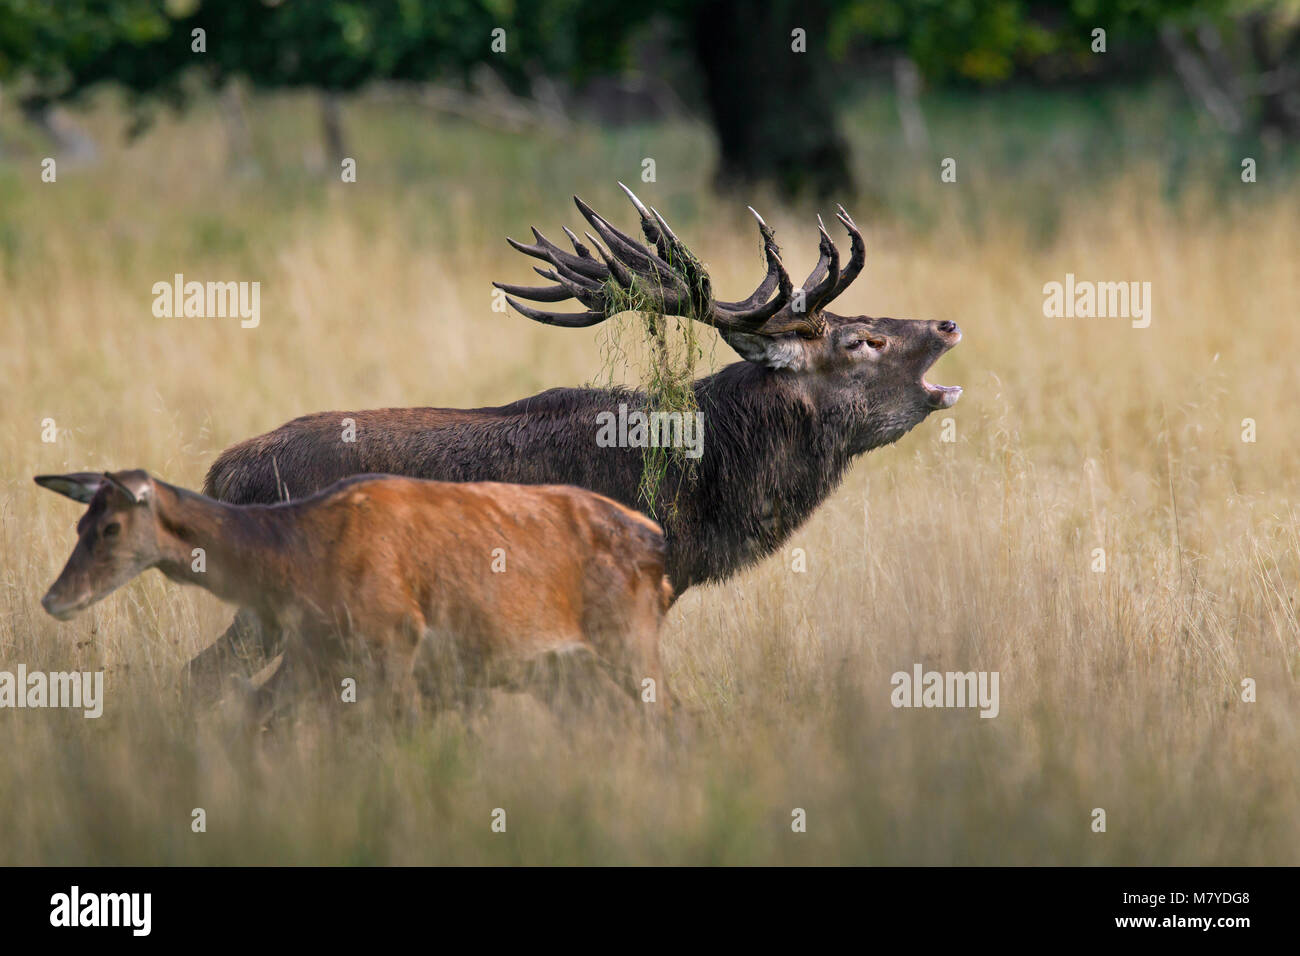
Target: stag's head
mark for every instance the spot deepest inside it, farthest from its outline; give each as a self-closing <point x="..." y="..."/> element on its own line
<point x="117" y="537"/>
<point x="874" y="365"/>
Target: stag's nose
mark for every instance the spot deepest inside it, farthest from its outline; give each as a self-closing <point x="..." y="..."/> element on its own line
<point x="948" y="327"/>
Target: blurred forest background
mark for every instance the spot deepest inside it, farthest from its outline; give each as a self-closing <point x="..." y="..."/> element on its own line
<point x="775" y="118"/>
<point x="1171" y="157"/>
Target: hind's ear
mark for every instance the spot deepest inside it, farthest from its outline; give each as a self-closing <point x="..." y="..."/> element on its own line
<point x="137" y="495"/>
<point x="79" y="486"/>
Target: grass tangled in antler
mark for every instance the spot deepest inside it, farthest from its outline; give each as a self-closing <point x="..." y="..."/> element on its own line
<point x="667" y="380"/>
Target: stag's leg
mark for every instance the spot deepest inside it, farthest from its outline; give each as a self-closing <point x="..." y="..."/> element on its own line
<point x="247" y="646"/>
<point x="317" y="658"/>
<point x="275" y="695"/>
<point x="261" y="706"/>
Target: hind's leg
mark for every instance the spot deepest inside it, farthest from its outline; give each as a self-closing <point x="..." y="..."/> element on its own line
<point x="394" y="663"/>
<point x="447" y="674"/>
<point x="315" y="663"/>
<point x="627" y="637"/>
<point x="574" y="683"/>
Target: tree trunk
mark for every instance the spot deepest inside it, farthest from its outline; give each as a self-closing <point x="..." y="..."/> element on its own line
<point x="234" y="116"/>
<point x="1257" y="91"/>
<point x="331" y="121"/>
<point x="772" y="108"/>
<point x="907" y="90"/>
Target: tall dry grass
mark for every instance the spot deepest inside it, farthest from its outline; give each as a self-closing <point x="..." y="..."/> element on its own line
<point x="1119" y="690"/>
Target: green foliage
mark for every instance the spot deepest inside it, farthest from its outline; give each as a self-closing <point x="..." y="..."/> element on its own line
<point x="997" y="40"/>
<point x="59" y="48"/>
<point x="979" y="41"/>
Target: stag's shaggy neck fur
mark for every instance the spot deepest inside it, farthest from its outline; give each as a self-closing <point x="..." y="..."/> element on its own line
<point x="772" y="452"/>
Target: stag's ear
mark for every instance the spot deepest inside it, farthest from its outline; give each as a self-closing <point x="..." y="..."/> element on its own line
<point x="775" y="351"/>
<point x="79" y="486"/>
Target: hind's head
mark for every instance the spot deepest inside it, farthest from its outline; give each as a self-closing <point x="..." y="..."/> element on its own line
<point x="117" y="537"/>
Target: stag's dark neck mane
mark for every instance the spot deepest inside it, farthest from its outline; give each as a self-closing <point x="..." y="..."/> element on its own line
<point x="770" y="457"/>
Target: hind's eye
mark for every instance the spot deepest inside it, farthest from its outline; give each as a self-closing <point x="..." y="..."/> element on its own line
<point x="111" y="530"/>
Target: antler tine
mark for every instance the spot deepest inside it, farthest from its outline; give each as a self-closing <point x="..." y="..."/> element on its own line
<point x="578" y="247"/>
<point x="640" y="206"/>
<point x="662" y="223"/>
<point x="583" y="265"/>
<point x="576" y="284"/>
<point x="648" y="225"/>
<point x="554" y="293"/>
<point x="569" y="285"/>
<point x="626" y="260"/>
<point x="752" y="312"/>
<point x="857" y="256"/>
<point x="580" y="287"/>
<point x="568" y="320"/>
<point x="568" y="279"/>
<point x="620" y="243"/>
<point x="566" y="275"/>
<point x="698" y="285"/>
<point x="644" y="263"/>
<point x="808" y="322"/>
<point x="548" y="251"/>
<point x="619" y="271"/>
<point x="828" y="267"/>
<point x="823" y="260"/>
<point x="785" y="292"/>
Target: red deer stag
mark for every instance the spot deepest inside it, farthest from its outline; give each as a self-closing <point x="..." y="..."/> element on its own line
<point x="395" y="572"/>
<point x="814" y="391"/>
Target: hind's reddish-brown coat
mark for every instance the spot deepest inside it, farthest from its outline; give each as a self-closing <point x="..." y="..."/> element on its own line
<point x="486" y="575"/>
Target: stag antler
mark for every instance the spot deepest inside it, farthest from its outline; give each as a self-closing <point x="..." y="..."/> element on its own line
<point x="669" y="279"/>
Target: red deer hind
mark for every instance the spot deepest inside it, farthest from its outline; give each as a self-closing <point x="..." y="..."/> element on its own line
<point x="815" y="390"/>
<point x="456" y="585"/>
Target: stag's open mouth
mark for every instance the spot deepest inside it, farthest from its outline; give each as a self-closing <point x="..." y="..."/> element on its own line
<point x="941" y="396"/>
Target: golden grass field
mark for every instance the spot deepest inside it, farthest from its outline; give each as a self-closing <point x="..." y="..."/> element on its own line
<point x="1119" y="690"/>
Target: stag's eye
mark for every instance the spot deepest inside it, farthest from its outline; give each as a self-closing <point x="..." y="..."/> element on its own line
<point x="875" y="344"/>
<point x="112" y="530"/>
